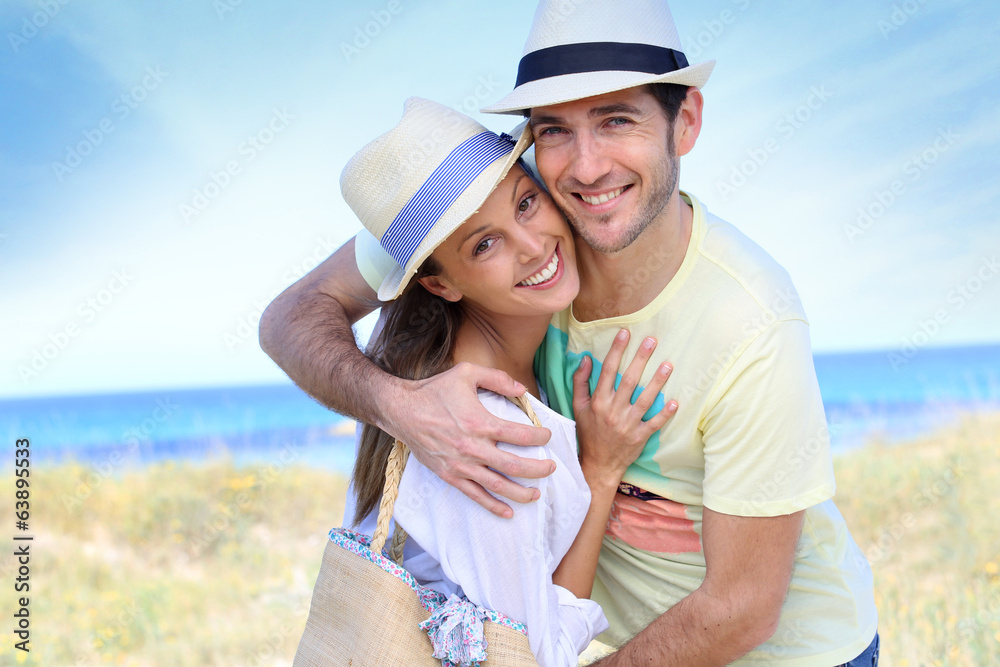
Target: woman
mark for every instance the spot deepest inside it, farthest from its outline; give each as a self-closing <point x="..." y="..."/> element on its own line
<point x="483" y="261"/>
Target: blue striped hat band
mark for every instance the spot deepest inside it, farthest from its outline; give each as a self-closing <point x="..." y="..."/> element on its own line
<point x="451" y="178"/>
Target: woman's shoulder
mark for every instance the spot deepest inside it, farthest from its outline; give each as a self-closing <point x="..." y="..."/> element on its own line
<point x="503" y="407"/>
<point x="563" y="441"/>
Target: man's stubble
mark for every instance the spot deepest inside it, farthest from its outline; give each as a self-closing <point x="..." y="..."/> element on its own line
<point x="665" y="177"/>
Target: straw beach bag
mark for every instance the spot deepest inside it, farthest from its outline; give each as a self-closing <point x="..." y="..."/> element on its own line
<point x="366" y="608"/>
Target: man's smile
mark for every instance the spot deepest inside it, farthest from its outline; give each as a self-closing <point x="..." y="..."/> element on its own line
<point x="594" y="200"/>
<point x="600" y="202"/>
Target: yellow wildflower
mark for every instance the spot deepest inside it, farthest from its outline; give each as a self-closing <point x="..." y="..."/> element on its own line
<point x="240" y="483"/>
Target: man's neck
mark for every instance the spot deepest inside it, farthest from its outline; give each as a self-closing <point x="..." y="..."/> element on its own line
<point x="616" y="284"/>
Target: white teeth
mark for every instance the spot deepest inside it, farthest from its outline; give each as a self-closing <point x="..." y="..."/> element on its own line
<point x="600" y="199"/>
<point x="545" y="273"/>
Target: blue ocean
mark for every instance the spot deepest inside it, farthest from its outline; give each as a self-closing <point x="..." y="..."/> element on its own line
<point x="869" y="396"/>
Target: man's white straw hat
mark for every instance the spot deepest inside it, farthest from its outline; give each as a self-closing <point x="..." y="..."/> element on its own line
<point x="417" y="183"/>
<point x="583" y="48"/>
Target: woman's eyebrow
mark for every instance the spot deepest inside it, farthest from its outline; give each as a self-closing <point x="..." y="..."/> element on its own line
<point x="513" y="192"/>
<point x="479" y="230"/>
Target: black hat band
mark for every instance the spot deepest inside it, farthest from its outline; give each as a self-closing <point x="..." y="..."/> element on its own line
<point x="598" y="57"/>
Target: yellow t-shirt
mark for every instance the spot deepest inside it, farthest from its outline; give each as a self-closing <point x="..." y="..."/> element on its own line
<point x="749" y="439"/>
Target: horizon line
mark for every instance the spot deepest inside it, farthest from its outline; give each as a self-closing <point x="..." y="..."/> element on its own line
<point x="4" y="398"/>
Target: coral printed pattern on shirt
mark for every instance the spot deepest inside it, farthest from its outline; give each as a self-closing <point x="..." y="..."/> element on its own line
<point x="657" y="525"/>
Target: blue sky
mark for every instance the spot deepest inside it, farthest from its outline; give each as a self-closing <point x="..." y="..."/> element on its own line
<point x="166" y="168"/>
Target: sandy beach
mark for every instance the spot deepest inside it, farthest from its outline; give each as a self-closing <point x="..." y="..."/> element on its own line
<point x="210" y="564"/>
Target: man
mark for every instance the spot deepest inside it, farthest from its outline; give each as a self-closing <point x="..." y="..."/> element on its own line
<point x="723" y="544"/>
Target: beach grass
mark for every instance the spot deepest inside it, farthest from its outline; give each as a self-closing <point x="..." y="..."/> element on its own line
<point x="213" y="564"/>
<point x="927" y="516"/>
<point x="173" y="564"/>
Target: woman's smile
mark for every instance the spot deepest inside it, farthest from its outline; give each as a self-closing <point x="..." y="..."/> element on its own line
<point x="547" y="276"/>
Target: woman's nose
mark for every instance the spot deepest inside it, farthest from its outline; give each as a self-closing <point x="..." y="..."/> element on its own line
<point x="530" y="244"/>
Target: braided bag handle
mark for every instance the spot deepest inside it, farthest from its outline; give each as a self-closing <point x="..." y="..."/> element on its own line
<point x="390" y="491"/>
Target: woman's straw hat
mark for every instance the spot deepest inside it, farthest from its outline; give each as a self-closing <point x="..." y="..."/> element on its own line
<point x="583" y="48"/>
<point x="417" y="183"/>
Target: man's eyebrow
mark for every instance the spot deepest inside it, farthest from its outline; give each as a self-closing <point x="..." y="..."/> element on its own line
<point x="611" y="109"/>
<point x="546" y="120"/>
<point x="596" y="112"/>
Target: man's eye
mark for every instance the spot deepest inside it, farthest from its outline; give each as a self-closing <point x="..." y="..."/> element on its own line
<point x="525" y="203"/>
<point x="618" y="121"/>
<point x="484" y="245"/>
<point x="550" y="130"/>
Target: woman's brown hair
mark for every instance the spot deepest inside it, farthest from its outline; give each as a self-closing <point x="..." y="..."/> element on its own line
<point x="415" y="343"/>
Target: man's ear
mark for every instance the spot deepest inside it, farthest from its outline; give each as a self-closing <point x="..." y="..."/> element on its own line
<point x="687" y="126"/>
<point x="440" y="287"/>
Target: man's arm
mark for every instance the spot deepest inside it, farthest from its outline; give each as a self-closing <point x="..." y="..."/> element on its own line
<point x="749" y="564"/>
<point x="307" y="331"/>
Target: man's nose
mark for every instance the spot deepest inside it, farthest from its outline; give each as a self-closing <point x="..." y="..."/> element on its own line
<point x="589" y="160"/>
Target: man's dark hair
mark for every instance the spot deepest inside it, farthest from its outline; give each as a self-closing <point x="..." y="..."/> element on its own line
<point x="669" y="95"/>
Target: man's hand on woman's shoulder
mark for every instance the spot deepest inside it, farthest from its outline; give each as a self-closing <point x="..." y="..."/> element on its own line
<point x="446" y="426"/>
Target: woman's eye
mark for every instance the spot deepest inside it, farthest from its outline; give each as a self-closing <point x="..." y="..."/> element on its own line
<point x="525" y="203"/>
<point x="484" y="245"/>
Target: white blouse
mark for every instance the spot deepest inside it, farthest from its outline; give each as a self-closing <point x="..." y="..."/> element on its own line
<point x="457" y="547"/>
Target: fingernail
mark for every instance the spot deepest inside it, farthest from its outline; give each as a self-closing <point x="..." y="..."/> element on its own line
<point x="623" y="334"/>
<point x="672" y="405"/>
<point x="666" y="368"/>
<point x="536" y="495"/>
<point x="520" y="388"/>
<point x="649" y="343"/>
<point x="507" y="514"/>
